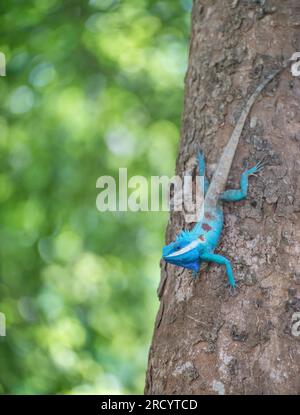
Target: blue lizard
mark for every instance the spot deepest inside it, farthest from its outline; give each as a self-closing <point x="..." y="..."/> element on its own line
<point x="191" y="248"/>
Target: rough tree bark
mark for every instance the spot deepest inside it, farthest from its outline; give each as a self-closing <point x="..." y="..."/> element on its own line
<point x="207" y="341"/>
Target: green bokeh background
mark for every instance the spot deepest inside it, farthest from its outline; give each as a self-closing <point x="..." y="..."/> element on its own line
<point x="91" y="86"/>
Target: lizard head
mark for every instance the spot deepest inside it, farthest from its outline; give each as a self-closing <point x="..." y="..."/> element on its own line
<point x="184" y="251"/>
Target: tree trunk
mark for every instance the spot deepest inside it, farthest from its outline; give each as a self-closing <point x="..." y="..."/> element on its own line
<point x="206" y="339"/>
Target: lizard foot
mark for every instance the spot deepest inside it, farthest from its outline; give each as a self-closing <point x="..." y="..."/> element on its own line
<point x="258" y="167"/>
<point x="232" y="289"/>
<point x="194" y="274"/>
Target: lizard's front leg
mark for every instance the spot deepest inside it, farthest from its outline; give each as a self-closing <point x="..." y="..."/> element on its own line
<point x="219" y="259"/>
<point x="240" y="194"/>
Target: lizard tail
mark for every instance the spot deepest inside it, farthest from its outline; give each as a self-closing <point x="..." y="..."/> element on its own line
<point x="219" y="180"/>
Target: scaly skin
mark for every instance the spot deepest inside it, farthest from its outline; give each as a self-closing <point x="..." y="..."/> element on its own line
<point x="192" y="248"/>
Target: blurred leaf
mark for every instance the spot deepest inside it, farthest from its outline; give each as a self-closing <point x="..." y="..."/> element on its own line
<point x="91" y="86"/>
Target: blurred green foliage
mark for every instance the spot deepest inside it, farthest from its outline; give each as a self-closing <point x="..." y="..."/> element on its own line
<point x="91" y="86"/>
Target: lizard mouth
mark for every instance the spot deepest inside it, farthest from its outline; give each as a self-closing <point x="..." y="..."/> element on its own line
<point x="182" y="254"/>
<point x="188" y="248"/>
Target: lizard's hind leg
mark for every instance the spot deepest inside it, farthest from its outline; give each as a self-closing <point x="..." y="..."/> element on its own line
<point x="201" y="170"/>
<point x="240" y="194"/>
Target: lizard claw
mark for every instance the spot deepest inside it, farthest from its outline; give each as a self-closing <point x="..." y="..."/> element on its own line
<point x="258" y="167"/>
<point x="261" y="164"/>
<point x="233" y="289"/>
<point x="194" y="274"/>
